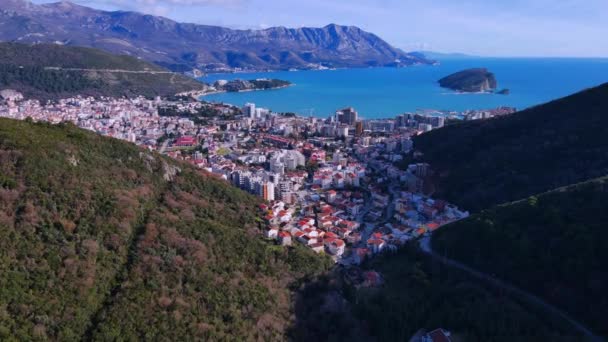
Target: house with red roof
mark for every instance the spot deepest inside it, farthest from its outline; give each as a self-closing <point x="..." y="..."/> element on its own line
<point x="344" y="232"/>
<point x="284" y="238"/>
<point x="376" y="245"/>
<point x="437" y="335"/>
<point x="353" y="238"/>
<point x="317" y="247"/>
<point x="313" y="233"/>
<point x="420" y="231"/>
<point x="185" y="141"/>
<point x="336" y="247"/>
<point x="330" y="235"/>
<point x="272" y="233"/>
<point x="433" y="226"/>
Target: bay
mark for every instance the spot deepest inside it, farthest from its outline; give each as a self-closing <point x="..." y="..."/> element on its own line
<point x="386" y="92"/>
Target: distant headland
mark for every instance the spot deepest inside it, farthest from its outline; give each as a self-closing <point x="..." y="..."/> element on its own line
<point x="223" y="86"/>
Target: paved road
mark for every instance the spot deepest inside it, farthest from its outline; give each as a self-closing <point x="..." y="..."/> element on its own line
<point x="425" y="246"/>
<point x="152" y="72"/>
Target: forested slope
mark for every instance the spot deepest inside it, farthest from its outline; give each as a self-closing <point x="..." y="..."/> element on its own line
<point x="47" y="71"/>
<point x="100" y="239"/>
<point x="486" y="162"/>
<point x="553" y="245"/>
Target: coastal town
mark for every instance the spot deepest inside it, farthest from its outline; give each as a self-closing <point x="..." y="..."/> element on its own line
<point x="340" y="186"/>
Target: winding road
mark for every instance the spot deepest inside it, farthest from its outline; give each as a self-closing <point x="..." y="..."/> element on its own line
<point x="425" y="246"/>
<point x="151" y="72"/>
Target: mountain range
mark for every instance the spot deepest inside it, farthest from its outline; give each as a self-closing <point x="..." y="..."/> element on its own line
<point x="183" y="46"/>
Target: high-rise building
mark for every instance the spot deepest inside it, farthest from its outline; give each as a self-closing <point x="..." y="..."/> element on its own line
<point x="347" y="116"/>
<point x="342" y="131"/>
<point x="437" y="121"/>
<point x="425" y="127"/>
<point x="359" y="128"/>
<point x="277" y="166"/>
<point x="249" y="110"/>
<point x="268" y="191"/>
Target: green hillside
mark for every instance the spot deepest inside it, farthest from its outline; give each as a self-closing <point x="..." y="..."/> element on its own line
<point x="420" y="293"/>
<point x="553" y="244"/>
<point x="38" y="72"/>
<point x="487" y="162"/>
<point x="102" y="240"/>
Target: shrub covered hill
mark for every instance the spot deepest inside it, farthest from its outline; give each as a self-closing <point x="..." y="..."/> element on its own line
<point x="552" y="160"/>
<point x="553" y="245"/>
<point x="101" y="240"/>
<point x="49" y="71"/>
<point x="486" y="162"/>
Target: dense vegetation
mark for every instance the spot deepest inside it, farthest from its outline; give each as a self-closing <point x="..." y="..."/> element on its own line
<point x="54" y="55"/>
<point x="35" y="81"/>
<point x="102" y="240"/>
<point x="553" y="244"/>
<point x="487" y="162"/>
<point x="201" y="115"/>
<point x="269" y="83"/>
<point x="418" y="293"/>
<point x="258" y="84"/>
<point x="26" y="69"/>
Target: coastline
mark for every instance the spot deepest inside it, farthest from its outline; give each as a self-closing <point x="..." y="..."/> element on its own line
<point x="382" y="92"/>
<point x="244" y="91"/>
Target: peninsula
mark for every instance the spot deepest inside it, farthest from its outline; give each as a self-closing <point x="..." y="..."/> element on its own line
<point x="470" y="81"/>
<point x="222" y="86"/>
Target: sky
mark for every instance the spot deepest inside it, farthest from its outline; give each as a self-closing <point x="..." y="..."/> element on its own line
<point x="531" y="28"/>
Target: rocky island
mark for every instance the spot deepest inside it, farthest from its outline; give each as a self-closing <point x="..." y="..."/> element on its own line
<point x="470" y="81"/>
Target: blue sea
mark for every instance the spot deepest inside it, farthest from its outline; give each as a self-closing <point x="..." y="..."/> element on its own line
<point x="385" y="92"/>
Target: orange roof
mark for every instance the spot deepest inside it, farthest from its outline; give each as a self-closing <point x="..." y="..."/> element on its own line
<point x="330" y="235"/>
<point x="329" y="239"/>
<point x="433" y="225"/>
<point x="338" y="242"/>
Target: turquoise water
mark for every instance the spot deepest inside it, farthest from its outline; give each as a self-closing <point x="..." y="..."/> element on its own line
<point x="385" y="92"/>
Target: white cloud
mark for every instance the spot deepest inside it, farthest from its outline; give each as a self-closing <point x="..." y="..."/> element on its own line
<point x="159" y="7"/>
<point x="170" y="2"/>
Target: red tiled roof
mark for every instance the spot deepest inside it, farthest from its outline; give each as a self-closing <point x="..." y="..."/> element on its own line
<point x="375" y="242"/>
<point x="330" y="235"/>
<point x="438" y="335"/>
<point x="433" y="225"/>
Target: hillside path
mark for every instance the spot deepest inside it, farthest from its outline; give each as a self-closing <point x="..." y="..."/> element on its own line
<point x="425" y="246"/>
<point x="151" y="72"/>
